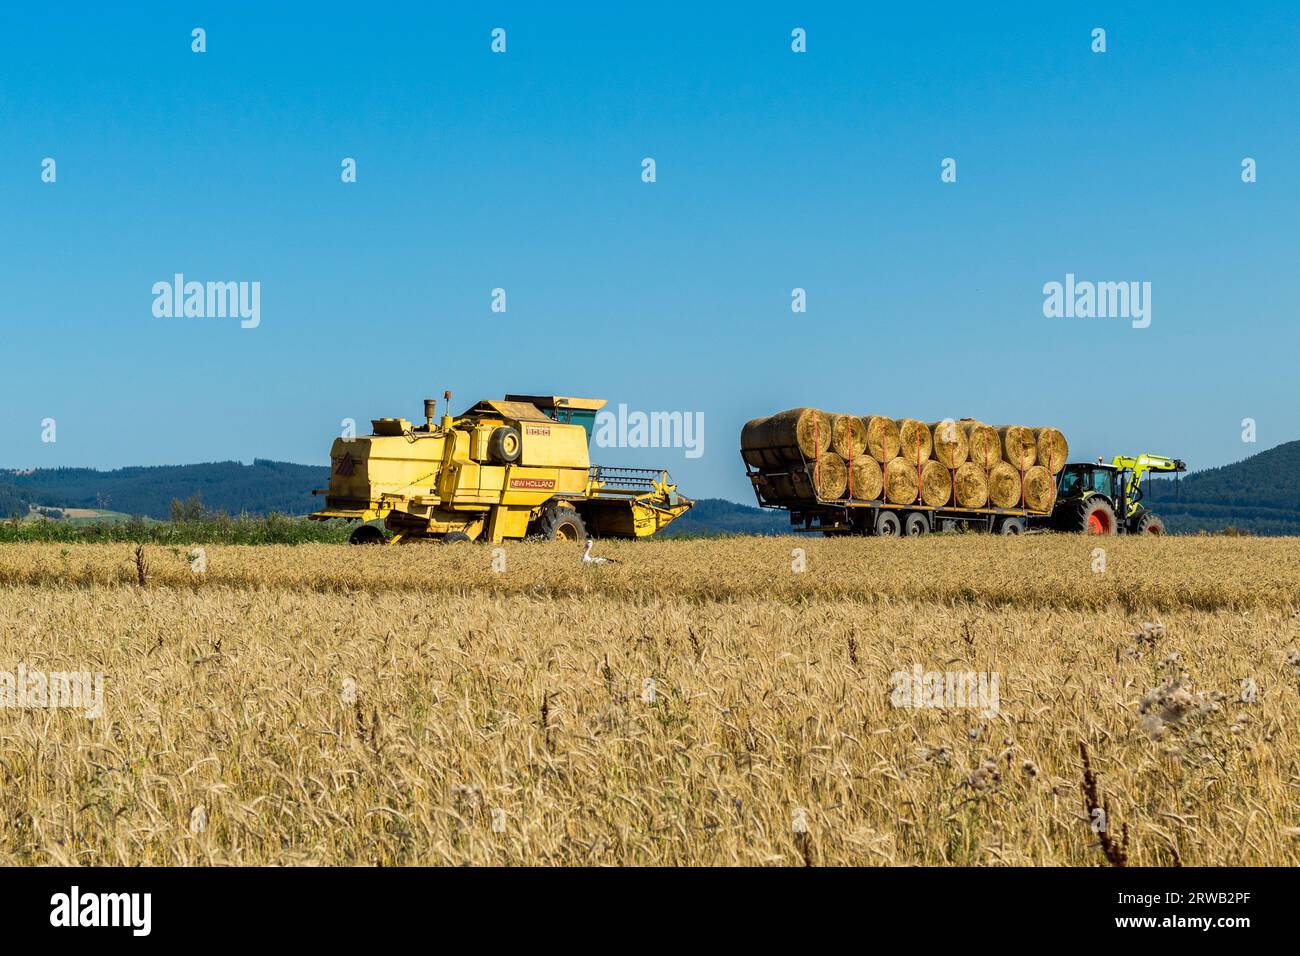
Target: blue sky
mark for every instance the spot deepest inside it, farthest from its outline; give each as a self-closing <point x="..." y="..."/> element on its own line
<point x="522" y="171"/>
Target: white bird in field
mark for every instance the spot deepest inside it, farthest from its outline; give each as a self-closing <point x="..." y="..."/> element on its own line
<point x="587" y="557"/>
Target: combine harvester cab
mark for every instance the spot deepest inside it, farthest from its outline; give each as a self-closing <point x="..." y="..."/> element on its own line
<point x="502" y="470"/>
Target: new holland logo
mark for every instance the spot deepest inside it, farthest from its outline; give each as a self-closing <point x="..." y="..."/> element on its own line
<point x="345" y="466"/>
<point x="533" y="484"/>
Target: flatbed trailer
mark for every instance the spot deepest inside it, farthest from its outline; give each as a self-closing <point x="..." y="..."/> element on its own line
<point x="812" y="514"/>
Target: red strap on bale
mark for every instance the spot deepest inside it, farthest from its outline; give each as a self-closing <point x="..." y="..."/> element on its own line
<point x="817" y="459"/>
<point x="848" y="462"/>
<point x="1022" y="476"/>
<point x="1050" y="480"/>
<point x="920" y="498"/>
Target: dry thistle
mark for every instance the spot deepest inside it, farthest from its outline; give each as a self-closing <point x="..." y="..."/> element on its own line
<point x="1099" y="815"/>
<point x="1173" y="705"/>
<point x="967" y="636"/>
<point x="546" y="720"/>
<point x="467" y="800"/>
<point x="141" y="567"/>
<point x="985" y="777"/>
<point x="940" y="755"/>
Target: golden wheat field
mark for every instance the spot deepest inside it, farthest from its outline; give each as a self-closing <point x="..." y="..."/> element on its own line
<point x="698" y="702"/>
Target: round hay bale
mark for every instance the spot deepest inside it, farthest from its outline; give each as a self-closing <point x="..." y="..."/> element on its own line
<point x="1053" y="450"/>
<point x="865" y="478"/>
<point x="983" y="442"/>
<point x="1040" y="489"/>
<point x="914" y="441"/>
<point x="1019" y="446"/>
<point x="787" y="487"/>
<point x="783" y="437"/>
<point x="830" y="476"/>
<point x="848" y="436"/>
<point x="951" y="446"/>
<point x="972" y="486"/>
<point x="1004" y="486"/>
<point x="901" y="481"/>
<point x="936" y="484"/>
<point x="752" y="448"/>
<point x="882" y="438"/>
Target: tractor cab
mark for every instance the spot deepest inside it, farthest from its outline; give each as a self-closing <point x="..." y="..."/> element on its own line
<point x="1082" y="478"/>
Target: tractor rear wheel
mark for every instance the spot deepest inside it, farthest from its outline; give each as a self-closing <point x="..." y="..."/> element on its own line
<point x="1148" y="523"/>
<point x="561" y="524"/>
<point x="1092" y="516"/>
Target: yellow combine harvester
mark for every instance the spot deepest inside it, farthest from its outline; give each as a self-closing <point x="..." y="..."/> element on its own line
<point x="502" y="470"/>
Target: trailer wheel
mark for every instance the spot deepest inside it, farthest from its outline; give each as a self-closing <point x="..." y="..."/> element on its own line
<point x="367" y="534"/>
<point x="1011" y="525"/>
<point x="505" y="445"/>
<point x="561" y="524"/>
<point x="887" y="525"/>
<point x="915" y="525"/>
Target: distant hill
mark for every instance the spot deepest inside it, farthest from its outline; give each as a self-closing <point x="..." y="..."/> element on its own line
<point x="229" y="486"/>
<point x="1260" y="494"/>
<point x="719" y="516"/>
<point x="264" y="487"/>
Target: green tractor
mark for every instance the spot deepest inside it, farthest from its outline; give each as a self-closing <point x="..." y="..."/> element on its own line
<point x="1107" y="499"/>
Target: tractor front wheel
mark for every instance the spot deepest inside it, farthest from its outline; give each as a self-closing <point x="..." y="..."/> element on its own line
<point x="1147" y="523"/>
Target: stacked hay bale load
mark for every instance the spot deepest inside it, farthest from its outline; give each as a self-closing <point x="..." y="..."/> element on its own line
<point x="790" y="438"/>
<point x="805" y="454"/>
